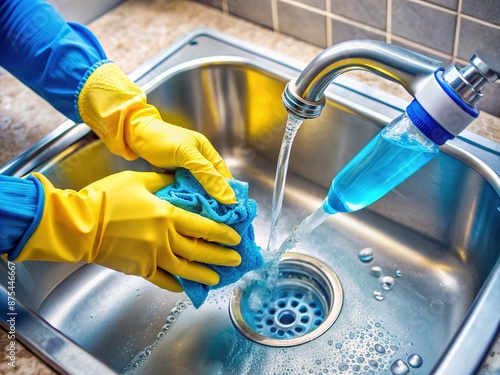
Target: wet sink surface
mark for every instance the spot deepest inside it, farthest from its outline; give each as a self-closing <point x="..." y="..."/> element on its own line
<point x="439" y="230"/>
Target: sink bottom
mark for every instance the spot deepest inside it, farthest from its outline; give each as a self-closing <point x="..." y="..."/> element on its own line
<point x="369" y="335"/>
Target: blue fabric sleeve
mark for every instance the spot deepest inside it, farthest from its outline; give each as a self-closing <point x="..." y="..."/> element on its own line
<point x="46" y="53"/>
<point x="21" y="209"/>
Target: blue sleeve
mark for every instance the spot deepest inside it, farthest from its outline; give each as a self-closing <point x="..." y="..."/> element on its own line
<point x="21" y="209"/>
<point x="46" y="53"/>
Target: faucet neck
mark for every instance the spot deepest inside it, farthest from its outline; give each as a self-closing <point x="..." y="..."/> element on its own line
<point x="449" y="98"/>
<point x="304" y="97"/>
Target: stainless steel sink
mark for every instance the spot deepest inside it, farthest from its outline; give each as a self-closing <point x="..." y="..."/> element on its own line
<point x="439" y="231"/>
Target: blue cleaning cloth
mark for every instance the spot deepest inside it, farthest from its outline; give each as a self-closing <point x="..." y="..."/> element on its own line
<point x="188" y="194"/>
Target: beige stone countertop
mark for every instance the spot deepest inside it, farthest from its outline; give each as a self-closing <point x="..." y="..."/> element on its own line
<point x="131" y="34"/>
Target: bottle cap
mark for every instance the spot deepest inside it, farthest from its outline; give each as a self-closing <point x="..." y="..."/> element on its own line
<point x="426" y="124"/>
<point x="450" y="97"/>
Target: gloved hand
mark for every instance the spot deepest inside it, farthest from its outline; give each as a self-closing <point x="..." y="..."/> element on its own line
<point x="117" y="222"/>
<point x="116" y="109"/>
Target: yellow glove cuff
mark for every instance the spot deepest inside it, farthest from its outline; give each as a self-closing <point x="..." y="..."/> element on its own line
<point x="66" y="227"/>
<point x="107" y="103"/>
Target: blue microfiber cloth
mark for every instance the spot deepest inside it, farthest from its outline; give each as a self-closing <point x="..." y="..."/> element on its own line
<point x="188" y="194"/>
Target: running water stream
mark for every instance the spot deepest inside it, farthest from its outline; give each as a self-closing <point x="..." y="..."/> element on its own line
<point x="292" y="126"/>
<point x="264" y="280"/>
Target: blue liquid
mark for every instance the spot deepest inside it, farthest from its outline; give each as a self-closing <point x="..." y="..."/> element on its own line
<point x="398" y="151"/>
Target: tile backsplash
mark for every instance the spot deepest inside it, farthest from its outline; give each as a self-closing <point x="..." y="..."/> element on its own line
<point x="448" y="30"/>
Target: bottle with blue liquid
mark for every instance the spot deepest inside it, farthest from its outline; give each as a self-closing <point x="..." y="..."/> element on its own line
<point x="444" y="107"/>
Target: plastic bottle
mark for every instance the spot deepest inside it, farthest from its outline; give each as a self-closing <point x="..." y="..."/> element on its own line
<point x="442" y="108"/>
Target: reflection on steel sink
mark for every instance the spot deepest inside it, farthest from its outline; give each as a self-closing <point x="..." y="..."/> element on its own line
<point x="444" y="306"/>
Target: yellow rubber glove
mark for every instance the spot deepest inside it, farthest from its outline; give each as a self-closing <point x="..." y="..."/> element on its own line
<point x="116" y="109"/>
<point x="117" y="222"/>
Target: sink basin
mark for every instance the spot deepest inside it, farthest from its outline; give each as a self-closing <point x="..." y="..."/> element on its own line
<point x="437" y="234"/>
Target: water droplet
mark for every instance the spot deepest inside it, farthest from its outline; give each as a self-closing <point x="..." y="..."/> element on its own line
<point x="175" y="312"/>
<point x="378" y="295"/>
<point x="376" y="271"/>
<point x="415" y="361"/>
<point x="366" y="255"/>
<point x="373" y="364"/>
<point x="338" y="345"/>
<point x="360" y="359"/>
<point x="387" y="282"/>
<point x="379" y="348"/>
<point x="398" y="273"/>
<point x="356" y="368"/>
<point x="343" y="366"/>
<point x="399" y="368"/>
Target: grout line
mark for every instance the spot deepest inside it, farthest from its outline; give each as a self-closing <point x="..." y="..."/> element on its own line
<point x="336" y="17"/>
<point x="484" y="23"/>
<point x="457" y="12"/>
<point x="358" y="24"/>
<point x="225" y="6"/>
<point x="390" y="37"/>
<point x="388" y="21"/>
<point x="462" y="61"/>
<point x="329" y="31"/>
<point x="456" y="37"/>
<point x="434" y="6"/>
<point x="305" y="6"/>
<point x="421" y="47"/>
<point x="275" y="16"/>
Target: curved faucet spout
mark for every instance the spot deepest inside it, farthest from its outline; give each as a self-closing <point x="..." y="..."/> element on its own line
<point x="304" y="96"/>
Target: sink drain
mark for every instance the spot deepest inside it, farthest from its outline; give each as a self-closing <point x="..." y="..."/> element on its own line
<point x="306" y="302"/>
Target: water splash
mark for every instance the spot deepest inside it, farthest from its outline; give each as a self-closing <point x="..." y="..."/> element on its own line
<point x="262" y="291"/>
<point x="144" y="354"/>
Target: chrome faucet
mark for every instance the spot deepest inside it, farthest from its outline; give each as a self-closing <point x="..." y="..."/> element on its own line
<point x="304" y="97"/>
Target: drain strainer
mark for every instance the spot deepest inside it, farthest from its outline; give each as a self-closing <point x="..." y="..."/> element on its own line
<point x="306" y="302"/>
